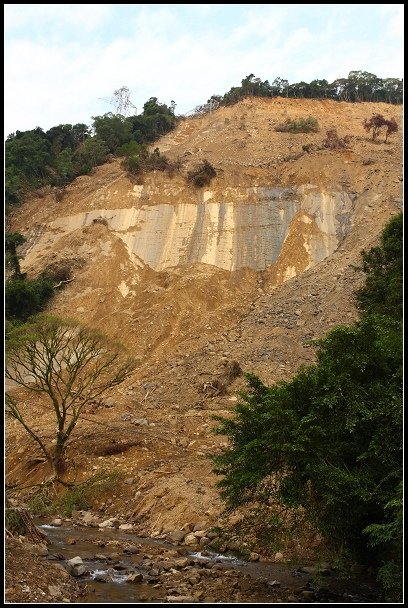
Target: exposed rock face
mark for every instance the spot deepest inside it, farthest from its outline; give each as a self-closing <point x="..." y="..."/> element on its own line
<point x="230" y="229"/>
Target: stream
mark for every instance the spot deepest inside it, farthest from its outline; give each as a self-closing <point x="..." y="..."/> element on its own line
<point x="110" y="556"/>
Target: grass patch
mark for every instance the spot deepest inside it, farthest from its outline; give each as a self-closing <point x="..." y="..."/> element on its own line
<point x="299" y="125"/>
<point x="48" y="501"/>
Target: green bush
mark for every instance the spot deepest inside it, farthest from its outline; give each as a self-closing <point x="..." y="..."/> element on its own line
<point x="24" y="297"/>
<point x="143" y="162"/>
<point x="300" y="125"/>
<point x="383" y="266"/>
<point x="14" y="523"/>
<point x="81" y="496"/>
<point x="132" y="164"/>
<point x="48" y="501"/>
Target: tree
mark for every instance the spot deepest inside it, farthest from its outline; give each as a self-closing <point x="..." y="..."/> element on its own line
<point x="91" y="152"/>
<point x="376" y="122"/>
<point x="329" y="441"/>
<point x="12" y="241"/>
<point x="383" y="266"/>
<point x="71" y="365"/>
<point x="29" y="153"/>
<point x="113" y="129"/>
<point x="24" y="297"/>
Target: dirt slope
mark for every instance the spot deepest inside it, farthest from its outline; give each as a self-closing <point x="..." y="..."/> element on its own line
<point x="188" y="322"/>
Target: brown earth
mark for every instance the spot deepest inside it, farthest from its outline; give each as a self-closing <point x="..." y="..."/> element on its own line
<point x="188" y="324"/>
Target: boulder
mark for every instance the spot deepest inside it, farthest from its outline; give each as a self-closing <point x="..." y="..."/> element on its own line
<point x="75" y="566"/>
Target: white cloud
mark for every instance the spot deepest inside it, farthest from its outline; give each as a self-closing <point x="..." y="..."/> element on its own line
<point x="86" y="17"/>
<point x="52" y="79"/>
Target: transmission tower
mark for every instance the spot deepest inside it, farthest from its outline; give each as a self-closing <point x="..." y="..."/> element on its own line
<point x="121" y="101"/>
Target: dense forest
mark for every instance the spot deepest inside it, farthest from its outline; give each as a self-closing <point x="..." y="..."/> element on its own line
<point x="357" y="87"/>
<point x="39" y="158"/>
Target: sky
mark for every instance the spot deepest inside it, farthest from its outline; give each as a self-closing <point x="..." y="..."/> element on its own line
<point x="63" y="62"/>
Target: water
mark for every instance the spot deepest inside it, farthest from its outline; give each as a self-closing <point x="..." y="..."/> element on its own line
<point x="102" y="552"/>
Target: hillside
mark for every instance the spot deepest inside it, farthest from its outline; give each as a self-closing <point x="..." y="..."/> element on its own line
<point x="246" y="270"/>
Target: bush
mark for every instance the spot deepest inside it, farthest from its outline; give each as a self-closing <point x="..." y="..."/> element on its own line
<point x="202" y="175"/>
<point x="376" y="122"/>
<point x="24" y="298"/>
<point x="14" y="522"/>
<point x="136" y="164"/>
<point x="48" y="501"/>
<point x="300" y="125"/>
<point x="383" y="265"/>
<point x="333" y="141"/>
<point x="82" y="496"/>
<point x="132" y="164"/>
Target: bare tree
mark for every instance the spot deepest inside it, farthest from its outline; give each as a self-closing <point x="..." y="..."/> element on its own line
<point x="69" y="363"/>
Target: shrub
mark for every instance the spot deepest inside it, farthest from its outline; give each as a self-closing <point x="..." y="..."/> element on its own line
<point x="83" y="495"/>
<point x="376" y="122"/>
<point x="24" y="298"/>
<point x="333" y="141"/>
<point x="202" y="175"/>
<point x="132" y="164"/>
<point x="14" y="522"/>
<point x="136" y="164"/>
<point x="300" y="125"/>
<point x="48" y="501"/>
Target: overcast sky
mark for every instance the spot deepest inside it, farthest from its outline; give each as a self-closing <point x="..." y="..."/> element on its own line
<point x="63" y="61"/>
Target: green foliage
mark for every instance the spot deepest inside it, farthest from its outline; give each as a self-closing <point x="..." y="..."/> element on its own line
<point x="28" y="155"/>
<point x="113" y="129"/>
<point x="12" y="241"/>
<point x="156" y="120"/>
<point x="383" y="266"/>
<point x="24" y="297"/>
<point x="82" y="496"/>
<point x="202" y="175"/>
<point x="41" y="501"/>
<point x="67" y="137"/>
<point x="14" y="523"/>
<point x="136" y="164"/>
<point x="29" y="152"/>
<point x="132" y="148"/>
<point x="91" y="152"/>
<point x="358" y="86"/>
<point x="387" y="537"/>
<point x="64" y="167"/>
<point x="329" y="441"/>
<point x="48" y="501"/>
<point x="35" y="158"/>
<point x="133" y="164"/>
<point x="300" y="125"/>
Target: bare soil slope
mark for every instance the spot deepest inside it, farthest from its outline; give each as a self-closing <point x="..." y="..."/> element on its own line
<point x="189" y="323"/>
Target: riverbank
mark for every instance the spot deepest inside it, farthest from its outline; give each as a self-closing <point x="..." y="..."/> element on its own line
<point x="121" y="567"/>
